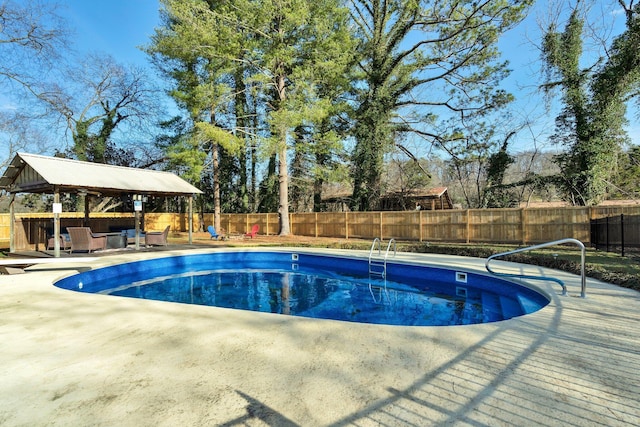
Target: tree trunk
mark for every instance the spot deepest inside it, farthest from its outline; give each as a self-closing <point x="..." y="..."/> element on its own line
<point x="241" y="109"/>
<point x="215" y="164"/>
<point x="283" y="171"/>
<point x="216" y="186"/>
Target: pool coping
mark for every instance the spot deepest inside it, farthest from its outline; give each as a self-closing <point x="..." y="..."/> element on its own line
<point x="77" y="358"/>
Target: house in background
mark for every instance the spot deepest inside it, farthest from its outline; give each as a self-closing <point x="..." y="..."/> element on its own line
<point x="431" y="199"/>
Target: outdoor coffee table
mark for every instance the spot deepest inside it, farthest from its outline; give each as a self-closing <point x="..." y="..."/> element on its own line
<point x="114" y="240"/>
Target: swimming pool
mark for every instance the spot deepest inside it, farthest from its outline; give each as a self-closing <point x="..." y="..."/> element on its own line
<point x="317" y="286"/>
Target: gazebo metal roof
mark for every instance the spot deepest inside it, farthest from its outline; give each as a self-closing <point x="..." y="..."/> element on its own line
<point x="30" y="173"/>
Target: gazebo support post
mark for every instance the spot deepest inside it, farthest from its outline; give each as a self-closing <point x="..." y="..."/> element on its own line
<point x="136" y="216"/>
<point x="86" y="211"/>
<point x="190" y="220"/>
<point x="56" y="224"/>
<point x="12" y="220"/>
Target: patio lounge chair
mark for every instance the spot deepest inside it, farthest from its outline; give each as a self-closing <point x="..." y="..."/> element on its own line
<point x="156" y="237"/>
<point x="253" y="232"/>
<point x="212" y="230"/>
<point x="82" y="239"/>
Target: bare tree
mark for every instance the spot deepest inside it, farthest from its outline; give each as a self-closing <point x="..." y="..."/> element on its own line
<point x="33" y="40"/>
<point x="17" y="135"/>
<point x="101" y="97"/>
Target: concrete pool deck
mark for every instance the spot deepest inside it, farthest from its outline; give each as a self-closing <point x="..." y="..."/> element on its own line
<point x="74" y="359"/>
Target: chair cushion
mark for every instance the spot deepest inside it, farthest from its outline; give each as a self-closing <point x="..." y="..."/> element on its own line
<point x="131" y="233"/>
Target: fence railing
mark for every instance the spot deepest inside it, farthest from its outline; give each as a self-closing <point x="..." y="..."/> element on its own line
<point x="619" y="233"/>
<point x="511" y="226"/>
<point x="518" y="226"/>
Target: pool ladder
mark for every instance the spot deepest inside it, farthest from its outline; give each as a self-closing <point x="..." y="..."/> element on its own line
<point x="378" y="263"/>
<point x="583" y="291"/>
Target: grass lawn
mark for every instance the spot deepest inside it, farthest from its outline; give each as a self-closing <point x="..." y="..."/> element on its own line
<point x="605" y="266"/>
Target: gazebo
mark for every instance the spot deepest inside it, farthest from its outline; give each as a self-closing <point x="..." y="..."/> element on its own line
<point x="30" y="173"/>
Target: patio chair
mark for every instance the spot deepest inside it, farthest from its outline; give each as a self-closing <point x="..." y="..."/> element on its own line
<point x="82" y="239"/>
<point x="214" y="234"/>
<point x="156" y="237"/>
<point x="253" y="232"/>
<point x="65" y="242"/>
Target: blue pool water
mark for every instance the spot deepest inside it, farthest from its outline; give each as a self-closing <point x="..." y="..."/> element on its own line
<point x="316" y="286"/>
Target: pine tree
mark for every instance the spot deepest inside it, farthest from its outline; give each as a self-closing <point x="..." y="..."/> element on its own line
<point x="285" y="51"/>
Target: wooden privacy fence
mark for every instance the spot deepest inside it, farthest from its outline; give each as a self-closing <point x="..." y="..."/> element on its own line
<point x="513" y="226"/>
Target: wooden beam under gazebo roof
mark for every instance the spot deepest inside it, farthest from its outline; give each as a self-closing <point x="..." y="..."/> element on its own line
<point x="31" y="173"/>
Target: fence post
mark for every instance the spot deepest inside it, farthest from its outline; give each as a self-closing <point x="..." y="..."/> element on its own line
<point x="420" y="224"/>
<point x="291" y="223"/>
<point x="381" y="237"/>
<point x="316" y="224"/>
<point x="523" y="226"/>
<point x="266" y="225"/>
<point x="468" y="226"/>
<point x="346" y="225"/>
<point x="607" y="232"/>
<point x="622" y="233"/>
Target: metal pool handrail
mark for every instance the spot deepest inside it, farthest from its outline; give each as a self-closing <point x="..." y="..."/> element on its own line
<point x="377" y="261"/>
<point x="583" y="291"/>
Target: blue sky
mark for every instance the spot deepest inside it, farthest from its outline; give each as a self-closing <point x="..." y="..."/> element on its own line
<point x="518" y="47"/>
<point x="119" y="27"/>
<point x="116" y="27"/>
